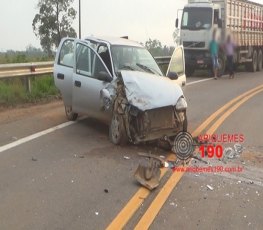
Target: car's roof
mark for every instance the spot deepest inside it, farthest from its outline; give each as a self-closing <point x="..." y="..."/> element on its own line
<point x="115" y="41"/>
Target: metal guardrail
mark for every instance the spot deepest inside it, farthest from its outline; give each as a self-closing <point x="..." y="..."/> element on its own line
<point x="25" y="69"/>
<point x="163" y="60"/>
<point x="28" y="70"/>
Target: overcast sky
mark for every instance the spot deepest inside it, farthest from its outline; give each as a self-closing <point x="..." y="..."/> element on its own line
<point x="139" y="19"/>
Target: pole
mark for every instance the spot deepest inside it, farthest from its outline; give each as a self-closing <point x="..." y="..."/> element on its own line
<point x="79" y="19"/>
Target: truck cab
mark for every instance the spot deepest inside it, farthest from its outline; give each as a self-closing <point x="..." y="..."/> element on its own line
<point x="199" y="20"/>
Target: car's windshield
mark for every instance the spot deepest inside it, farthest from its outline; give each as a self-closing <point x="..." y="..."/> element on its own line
<point x="133" y="58"/>
<point x="197" y="18"/>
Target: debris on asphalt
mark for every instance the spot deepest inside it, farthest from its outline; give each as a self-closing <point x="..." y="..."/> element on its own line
<point x="72" y="181"/>
<point x="173" y="204"/>
<point x="238" y="148"/>
<point x="106" y="190"/>
<point x="14" y="138"/>
<point x="126" y="158"/>
<point x="96" y="213"/>
<point x="210" y="187"/>
<point x="161" y="156"/>
<point x="34" y="159"/>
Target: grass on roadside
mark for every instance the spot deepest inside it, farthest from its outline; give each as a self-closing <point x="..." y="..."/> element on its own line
<point x="13" y="91"/>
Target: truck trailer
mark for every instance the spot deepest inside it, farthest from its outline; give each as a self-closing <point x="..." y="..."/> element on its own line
<point x="241" y="19"/>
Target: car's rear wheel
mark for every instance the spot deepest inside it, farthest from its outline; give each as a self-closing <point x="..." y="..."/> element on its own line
<point x="71" y="116"/>
<point x="117" y="131"/>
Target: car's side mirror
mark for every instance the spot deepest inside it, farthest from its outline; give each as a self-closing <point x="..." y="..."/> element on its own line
<point x="176" y="23"/>
<point x="104" y="76"/>
<point x="220" y="23"/>
<point x="172" y="75"/>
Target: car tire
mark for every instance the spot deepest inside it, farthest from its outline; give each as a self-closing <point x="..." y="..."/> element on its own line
<point x="71" y="116"/>
<point x="117" y="130"/>
<point x="185" y="124"/>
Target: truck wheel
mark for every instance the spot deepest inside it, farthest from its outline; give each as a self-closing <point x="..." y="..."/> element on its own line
<point x="189" y="71"/>
<point x="260" y="60"/>
<point x="117" y="131"/>
<point x="222" y="65"/>
<point x="71" y="116"/>
<point x="252" y="66"/>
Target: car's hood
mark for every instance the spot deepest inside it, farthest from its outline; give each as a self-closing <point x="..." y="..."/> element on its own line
<point x="147" y="91"/>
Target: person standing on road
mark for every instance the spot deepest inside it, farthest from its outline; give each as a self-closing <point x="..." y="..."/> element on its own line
<point x="213" y="47"/>
<point x="230" y="49"/>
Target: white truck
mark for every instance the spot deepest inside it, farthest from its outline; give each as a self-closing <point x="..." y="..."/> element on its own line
<point x="241" y="19"/>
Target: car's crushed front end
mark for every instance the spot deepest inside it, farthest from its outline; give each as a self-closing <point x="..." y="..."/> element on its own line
<point x="151" y="107"/>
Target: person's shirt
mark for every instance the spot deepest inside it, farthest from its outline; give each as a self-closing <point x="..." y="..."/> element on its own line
<point x="230" y="48"/>
<point x="213" y="47"/>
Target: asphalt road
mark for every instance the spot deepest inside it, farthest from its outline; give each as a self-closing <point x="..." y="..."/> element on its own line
<point x="74" y="178"/>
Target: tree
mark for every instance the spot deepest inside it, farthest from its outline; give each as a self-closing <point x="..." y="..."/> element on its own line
<point x="154" y="47"/>
<point x="53" y="22"/>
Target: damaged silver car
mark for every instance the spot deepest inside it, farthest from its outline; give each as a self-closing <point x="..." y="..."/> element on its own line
<point x="117" y="81"/>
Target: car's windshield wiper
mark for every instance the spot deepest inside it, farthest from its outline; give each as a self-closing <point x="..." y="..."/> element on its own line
<point x="127" y="67"/>
<point x="147" y="68"/>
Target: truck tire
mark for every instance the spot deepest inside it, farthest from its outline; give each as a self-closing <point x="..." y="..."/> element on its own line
<point x="117" y="130"/>
<point x="71" y="116"/>
<point x="260" y="60"/>
<point x="189" y="71"/>
<point x="252" y="66"/>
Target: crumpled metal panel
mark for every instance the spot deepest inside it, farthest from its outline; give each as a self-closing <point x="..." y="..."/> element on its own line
<point x="148" y="91"/>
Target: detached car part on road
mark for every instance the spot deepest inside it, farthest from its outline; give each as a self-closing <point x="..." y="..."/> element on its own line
<point x="118" y="82"/>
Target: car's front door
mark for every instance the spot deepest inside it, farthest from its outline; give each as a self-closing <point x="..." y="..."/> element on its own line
<point x="63" y="69"/>
<point x="177" y="66"/>
<point x="90" y="76"/>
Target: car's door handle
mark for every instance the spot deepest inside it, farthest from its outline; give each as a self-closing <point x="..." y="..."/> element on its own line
<point x="78" y="83"/>
<point x="60" y="76"/>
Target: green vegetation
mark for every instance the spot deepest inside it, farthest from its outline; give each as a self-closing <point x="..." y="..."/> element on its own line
<point x="53" y="22"/>
<point x="13" y="91"/>
<point x="31" y="54"/>
<point x="156" y="49"/>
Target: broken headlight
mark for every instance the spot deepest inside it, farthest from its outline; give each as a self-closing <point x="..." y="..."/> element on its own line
<point x="181" y="104"/>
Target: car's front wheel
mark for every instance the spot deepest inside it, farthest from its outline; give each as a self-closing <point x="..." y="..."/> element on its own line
<point x="71" y="116"/>
<point x="117" y="131"/>
<point x="185" y="123"/>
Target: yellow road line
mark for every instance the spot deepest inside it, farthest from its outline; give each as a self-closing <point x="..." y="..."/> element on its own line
<point x="215" y="126"/>
<point x="134" y="203"/>
<point x="219" y="111"/>
<point x="166" y="190"/>
<point x="138" y="198"/>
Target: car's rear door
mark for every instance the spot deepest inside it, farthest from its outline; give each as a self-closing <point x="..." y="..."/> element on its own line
<point x="63" y="69"/>
<point x="86" y="81"/>
<point x="177" y="65"/>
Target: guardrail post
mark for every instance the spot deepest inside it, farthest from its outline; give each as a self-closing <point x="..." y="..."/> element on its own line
<point x="28" y="84"/>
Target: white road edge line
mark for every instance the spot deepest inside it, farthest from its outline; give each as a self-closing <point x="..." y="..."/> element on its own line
<point x="199" y="81"/>
<point x="35" y="135"/>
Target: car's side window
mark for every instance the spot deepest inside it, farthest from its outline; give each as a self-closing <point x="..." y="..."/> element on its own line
<point x="87" y="62"/>
<point x="66" y="54"/>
